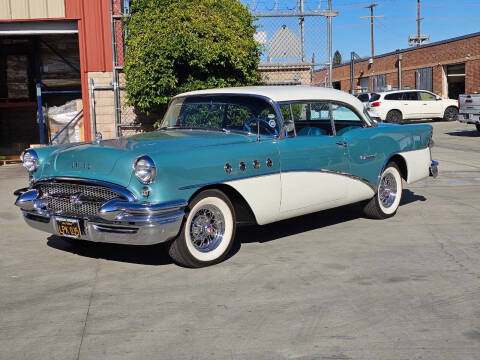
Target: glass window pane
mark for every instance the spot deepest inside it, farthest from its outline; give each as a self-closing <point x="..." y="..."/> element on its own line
<point x="410" y="95"/>
<point x="342" y="113"/>
<point x="427" y="96"/>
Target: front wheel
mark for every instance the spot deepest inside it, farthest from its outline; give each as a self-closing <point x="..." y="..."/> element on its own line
<point x="208" y="231"/>
<point x="451" y="114"/>
<point x="389" y="193"/>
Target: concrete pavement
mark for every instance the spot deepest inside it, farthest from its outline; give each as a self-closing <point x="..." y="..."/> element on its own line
<point x="330" y="285"/>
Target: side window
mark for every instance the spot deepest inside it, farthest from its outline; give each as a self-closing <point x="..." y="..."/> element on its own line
<point x="410" y="96"/>
<point x="424" y="96"/>
<point x="310" y="119"/>
<point x="345" y="119"/>
<point x="363" y="97"/>
<point x="394" y="96"/>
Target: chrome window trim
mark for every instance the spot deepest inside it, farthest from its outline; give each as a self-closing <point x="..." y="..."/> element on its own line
<point x="363" y="120"/>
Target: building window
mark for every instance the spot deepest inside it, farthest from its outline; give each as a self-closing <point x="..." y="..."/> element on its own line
<point x="379" y="82"/>
<point x="424" y="79"/>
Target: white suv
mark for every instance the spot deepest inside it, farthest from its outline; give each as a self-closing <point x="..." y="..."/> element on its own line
<point x="397" y="106"/>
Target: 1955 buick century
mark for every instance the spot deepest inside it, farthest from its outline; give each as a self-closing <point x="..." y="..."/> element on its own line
<point x="221" y="158"/>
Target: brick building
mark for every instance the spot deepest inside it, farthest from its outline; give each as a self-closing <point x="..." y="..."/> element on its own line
<point x="448" y="68"/>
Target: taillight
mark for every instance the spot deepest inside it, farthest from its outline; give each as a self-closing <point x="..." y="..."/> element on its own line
<point x="468" y="101"/>
<point x="376" y="103"/>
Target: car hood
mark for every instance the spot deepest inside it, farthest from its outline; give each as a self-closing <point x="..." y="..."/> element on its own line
<point x="111" y="160"/>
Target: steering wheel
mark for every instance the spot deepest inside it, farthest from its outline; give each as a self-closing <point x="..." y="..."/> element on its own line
<point x="266" y="125"/>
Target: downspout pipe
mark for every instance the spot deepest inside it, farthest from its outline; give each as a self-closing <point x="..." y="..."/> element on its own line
<point x="116" y="97"/>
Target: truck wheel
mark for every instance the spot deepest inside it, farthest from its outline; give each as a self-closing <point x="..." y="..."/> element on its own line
<point x="478" y="127"/>
<point x="208" y="231"/>
<point x="451" y="114"/>
<point x="394" y="117"/>
<point x="389" y="193"/>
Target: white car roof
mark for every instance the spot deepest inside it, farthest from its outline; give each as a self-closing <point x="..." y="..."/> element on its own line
<point x="287" y="93"/>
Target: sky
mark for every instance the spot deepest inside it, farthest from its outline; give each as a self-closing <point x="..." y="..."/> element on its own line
<point x="443" y="19"/>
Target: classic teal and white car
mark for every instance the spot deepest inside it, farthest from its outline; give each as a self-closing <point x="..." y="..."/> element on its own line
<point x="221" y="158"/>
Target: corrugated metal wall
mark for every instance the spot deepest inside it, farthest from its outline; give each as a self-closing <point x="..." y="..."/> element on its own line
<point x="31" y="9"/>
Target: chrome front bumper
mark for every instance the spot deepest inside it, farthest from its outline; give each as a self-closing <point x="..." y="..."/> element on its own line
<point x="118" y="221"/>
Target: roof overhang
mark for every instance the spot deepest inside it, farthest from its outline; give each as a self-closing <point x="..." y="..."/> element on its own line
<point x="38" y="28"/>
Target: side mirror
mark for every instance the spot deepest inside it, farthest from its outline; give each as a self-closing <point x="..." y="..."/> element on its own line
<point x="438" y="97"/>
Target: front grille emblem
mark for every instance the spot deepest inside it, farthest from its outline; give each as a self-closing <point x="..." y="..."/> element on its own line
<point x="75" y="199"/>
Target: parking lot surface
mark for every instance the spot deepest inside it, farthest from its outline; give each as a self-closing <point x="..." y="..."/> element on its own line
<point x="331" y="285"/>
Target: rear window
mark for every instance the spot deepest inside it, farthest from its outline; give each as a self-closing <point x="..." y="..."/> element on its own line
<point x="394" y="96"/>
<point x="374" y="97"/>
<point x="363" y="97"/>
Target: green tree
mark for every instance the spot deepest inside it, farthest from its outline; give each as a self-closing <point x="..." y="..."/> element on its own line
<point x="337" y="58"/>
<point x="175" y="46"/>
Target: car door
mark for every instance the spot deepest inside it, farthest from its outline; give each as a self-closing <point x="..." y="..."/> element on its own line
<point x="411" y="107"/>
<point x="311" y="160"/>
<point x="431" y="108"/>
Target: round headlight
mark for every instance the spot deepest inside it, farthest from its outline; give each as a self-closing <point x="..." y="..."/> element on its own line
<point x="30" y="160"/>
<point x="144" y="169"/>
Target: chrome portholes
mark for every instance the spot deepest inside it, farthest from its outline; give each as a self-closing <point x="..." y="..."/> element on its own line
<point x="228" y="168"/>
<point x="256" y="164"/>
<point x="269" y="163"/>
<point x="207" y="228"/>
<point x="387" y="191"/>
<point x="242" y="166"/>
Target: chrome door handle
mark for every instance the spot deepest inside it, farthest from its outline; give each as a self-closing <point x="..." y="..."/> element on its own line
<point x="341" y="143"/>
<point x="367" y="157"/>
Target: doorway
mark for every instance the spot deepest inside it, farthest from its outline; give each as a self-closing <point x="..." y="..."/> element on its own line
<point x="455" y="80"/>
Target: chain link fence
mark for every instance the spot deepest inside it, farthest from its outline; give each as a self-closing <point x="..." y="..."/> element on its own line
<point x="294" y="36"/>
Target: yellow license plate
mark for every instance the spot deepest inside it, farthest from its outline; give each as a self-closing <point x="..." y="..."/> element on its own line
<point x="68" y="227"/>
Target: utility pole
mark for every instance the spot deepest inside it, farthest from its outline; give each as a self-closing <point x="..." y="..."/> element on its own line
<point x="329" y="35"/>
<point x="371" y="17"/>
<point x="419" y="39"/>
<point x="301" y="20"/>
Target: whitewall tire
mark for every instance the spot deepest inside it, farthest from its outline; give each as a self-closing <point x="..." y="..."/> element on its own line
<point x="386" y="201"/>
<point x="208" y="231"/>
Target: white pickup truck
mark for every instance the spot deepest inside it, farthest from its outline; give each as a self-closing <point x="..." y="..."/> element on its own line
<point x="469" y="109"/>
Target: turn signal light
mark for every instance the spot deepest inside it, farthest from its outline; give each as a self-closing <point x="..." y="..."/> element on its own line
<point x="376" y="103"/>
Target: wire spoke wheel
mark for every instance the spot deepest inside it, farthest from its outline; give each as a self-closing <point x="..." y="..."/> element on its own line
<point x="207" y="228"/>
<point x="388" y="190"/>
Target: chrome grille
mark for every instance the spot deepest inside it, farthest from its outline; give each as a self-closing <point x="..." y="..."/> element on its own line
<point x="58" y="198"/>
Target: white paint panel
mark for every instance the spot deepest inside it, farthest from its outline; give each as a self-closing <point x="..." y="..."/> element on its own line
<point x="302" y="189"/>
<point x="19" y="9"/>
<point x="5" y="11"/>
<point x="37" y="9"/>
<point x="418" y="164"/>
<point x="262" y="193"/>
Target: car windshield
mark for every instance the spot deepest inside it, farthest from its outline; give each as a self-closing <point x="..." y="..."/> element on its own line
<point x="245" y="114"/>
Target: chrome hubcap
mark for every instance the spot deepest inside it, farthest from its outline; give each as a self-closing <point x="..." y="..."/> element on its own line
<point x="207" y="228"/>
<point x="388" y="190"/>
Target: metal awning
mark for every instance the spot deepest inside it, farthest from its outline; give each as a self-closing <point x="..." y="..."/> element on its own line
<point x="38" y="27"/>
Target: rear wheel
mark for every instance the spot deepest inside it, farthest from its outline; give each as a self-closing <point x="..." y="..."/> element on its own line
<point x="389" y="193"/>
<point x="478" y="126"/>
<point x="451" y="114"/>
<point x="208" y="231"/>
<point x="394" y="117"/>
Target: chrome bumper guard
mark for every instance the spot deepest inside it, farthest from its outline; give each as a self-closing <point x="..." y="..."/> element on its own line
<point x="119" y="221"/>
<point x="434" y="169"/>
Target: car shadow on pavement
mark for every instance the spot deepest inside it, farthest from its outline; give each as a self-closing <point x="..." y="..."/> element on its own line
<point x="465" y="133"/>
<point x="135" y="254"/>
<point x="158" y="254"/>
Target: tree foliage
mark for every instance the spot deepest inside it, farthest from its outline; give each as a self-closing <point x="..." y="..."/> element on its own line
<point x="337" y="58"/>
<point x="175" y="46"/>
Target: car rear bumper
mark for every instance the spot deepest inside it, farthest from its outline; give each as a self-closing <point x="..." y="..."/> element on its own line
<point x="118" y="221"/>
<point x="469" y="118"/>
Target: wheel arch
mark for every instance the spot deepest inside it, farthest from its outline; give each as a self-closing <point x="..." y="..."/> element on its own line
<point x="401" y="163"/>
<point x="243" y="211"/>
